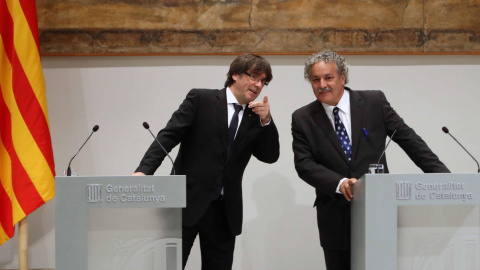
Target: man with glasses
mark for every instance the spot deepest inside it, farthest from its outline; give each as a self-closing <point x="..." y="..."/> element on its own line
<point x="218" y="131"/>
<point x="336" y="137"/>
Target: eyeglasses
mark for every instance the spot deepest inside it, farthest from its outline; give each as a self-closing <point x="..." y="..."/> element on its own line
<point x="256" y="79"/>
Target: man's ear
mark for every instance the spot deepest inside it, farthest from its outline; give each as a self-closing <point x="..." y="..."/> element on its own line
<point x="235" y="77"/>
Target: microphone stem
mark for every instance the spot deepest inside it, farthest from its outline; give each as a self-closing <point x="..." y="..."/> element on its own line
<point x="384" y="150"/>
<point x="173" y="164"/>
<point x="68" y="169"/>
<point x="478" y="166"/>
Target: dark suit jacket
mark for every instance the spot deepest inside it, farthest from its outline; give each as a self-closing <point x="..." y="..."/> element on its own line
<point x="201" y="125"/>
<point x="321" y="162"/>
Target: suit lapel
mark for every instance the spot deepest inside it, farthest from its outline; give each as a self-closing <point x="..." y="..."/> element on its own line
<point x="320" y="116"/>
<point x="356" y="115"/>
<point x="222" y="117"/>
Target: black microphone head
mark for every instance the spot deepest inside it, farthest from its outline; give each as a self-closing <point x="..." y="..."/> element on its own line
<point x="145" y="125"/>
<point x="95" y="128"/>
<point x="445" y="129"/>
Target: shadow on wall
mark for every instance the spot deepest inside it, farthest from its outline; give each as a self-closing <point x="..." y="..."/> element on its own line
<point x="284" y="235"/>
<point x="69" y="126"/>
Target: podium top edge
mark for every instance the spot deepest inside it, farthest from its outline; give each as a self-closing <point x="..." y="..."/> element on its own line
<point x="119" y="176"/>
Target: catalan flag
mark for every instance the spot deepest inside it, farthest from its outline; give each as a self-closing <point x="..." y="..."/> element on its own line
<point x="26" y="158"/>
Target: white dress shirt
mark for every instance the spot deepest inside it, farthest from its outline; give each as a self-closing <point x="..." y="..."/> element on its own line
<point x="345" y="117"/>
<point x="343" y="113"/>
<point x="231" y="109"/>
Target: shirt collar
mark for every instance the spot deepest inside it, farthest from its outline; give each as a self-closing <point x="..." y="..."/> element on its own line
<point x="343" y="104"/>
<point x="232" y="99"/>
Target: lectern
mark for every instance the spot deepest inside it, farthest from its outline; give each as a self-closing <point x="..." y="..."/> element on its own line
<point x="377" y="198"/>
<point x="119" y="222"/>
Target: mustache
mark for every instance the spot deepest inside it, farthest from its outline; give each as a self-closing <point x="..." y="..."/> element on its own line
<point x="326" y="89"/>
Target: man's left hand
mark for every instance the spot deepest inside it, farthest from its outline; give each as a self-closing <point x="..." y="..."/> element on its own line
<point x="261" y="108"/>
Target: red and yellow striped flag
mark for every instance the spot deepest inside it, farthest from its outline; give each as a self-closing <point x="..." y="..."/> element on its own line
<point x="26" y="157"/>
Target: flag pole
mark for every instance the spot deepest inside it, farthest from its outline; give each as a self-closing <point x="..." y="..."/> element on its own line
<point x="23" y="244"/>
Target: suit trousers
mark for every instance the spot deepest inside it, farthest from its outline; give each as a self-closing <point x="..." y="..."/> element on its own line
<point x="217" y="243"/>
<point x="337" y="259"/>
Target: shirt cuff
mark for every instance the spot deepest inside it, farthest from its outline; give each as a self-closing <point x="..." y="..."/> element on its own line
<point x="268" y="123"/>
<point x="339" y="184"/>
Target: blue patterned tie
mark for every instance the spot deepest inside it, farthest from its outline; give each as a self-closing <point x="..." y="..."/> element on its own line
<point x="342" y="135"/>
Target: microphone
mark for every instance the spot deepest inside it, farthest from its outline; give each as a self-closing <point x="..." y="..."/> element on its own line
<point x="445" y="129"/>
<point x="383" y="153"/>
<point x="146" y="126"/>
<point x="69" y="171"/>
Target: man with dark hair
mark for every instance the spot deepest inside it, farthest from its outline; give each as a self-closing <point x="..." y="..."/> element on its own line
<point x="218" y="132"/>
<point x="336" y="137"/>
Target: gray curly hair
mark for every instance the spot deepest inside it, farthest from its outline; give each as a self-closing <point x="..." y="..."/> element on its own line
<point x="326" y="56"/>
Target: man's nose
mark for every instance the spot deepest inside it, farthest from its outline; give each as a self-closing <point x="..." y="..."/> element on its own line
<point x="323" y="83"/>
